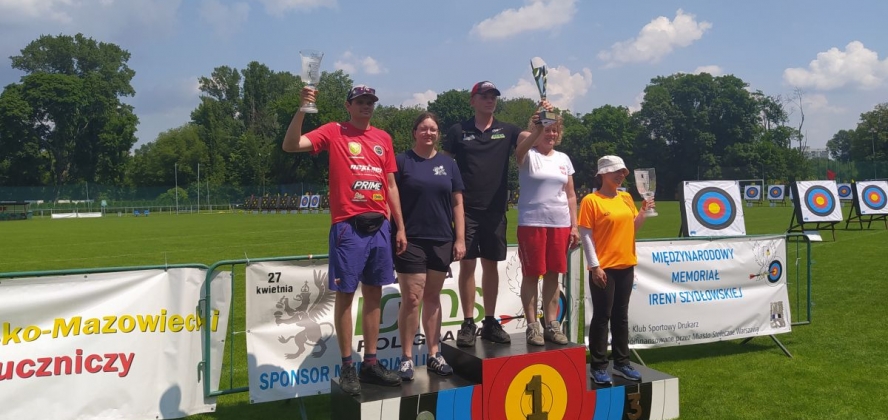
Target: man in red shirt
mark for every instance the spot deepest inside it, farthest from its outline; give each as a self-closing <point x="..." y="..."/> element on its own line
<point x="362" y="193"/>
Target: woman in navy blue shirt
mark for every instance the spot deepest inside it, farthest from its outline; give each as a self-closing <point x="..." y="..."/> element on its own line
<point x="432" y="203"/>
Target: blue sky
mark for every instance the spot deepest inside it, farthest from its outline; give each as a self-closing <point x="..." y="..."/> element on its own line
<point x="599" y="52"/>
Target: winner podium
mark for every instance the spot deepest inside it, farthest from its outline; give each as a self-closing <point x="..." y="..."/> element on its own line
<point x="514" y="381"/>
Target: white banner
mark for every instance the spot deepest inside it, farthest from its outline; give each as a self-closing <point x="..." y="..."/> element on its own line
<point x="123" y="345"/>
<point x="697" y="291"/>
<point x="291" y="343"/>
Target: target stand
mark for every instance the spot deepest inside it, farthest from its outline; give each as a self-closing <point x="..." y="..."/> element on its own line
<point x="868" y="203"/>
<point x="817" y="207"/>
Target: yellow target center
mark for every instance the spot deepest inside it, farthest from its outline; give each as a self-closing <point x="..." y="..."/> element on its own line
<point x="820" y="201"/>
<point x="536" y="389"/>
<point x="714" y="208"/>
<point x="874" y="197"/>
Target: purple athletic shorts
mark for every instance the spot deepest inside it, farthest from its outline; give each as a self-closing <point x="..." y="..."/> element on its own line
<point x="360" y="258"/>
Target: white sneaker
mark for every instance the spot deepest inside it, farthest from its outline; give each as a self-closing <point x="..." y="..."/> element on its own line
<point x="554" y="334"/>
<point x="534" y="334"/>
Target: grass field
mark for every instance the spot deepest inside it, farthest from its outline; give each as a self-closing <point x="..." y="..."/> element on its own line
<point x="838" y="372"/>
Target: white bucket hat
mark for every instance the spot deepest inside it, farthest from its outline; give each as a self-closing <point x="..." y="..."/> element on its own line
<point x="608" y="164"/>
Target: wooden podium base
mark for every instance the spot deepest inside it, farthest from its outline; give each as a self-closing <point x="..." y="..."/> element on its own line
<point x="514" y="381"/>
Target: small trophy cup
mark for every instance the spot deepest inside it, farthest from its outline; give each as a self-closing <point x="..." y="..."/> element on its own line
<point x="539" y="70"/>
<point x="311" y="74"/>
<point x="646" y="182"/>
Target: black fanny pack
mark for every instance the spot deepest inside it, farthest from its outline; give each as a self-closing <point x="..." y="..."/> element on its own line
<point x="367" y="223"/>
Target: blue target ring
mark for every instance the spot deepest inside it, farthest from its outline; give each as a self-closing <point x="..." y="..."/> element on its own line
<point x="874" y="197"/>
<point x="562" y="307"/>
<point x="775" y="271"/>
<point x="775" y="192"/>
<point x="714" y="208"/>
<point x="844" y="192"/>
<point x="820" y="201"/>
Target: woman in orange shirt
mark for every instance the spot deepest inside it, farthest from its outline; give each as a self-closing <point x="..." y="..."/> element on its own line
<point x="608" y="221"/>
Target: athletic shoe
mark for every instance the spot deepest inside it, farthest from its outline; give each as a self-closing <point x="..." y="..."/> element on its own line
<point x="627" y="372"/>
<point x="553" y="333"/>
<point x="601" y="377"/>
<point x="534" y="334"/>
<point x="438" y="365"/>
<point x="376" y="374"/>
<point x="466" y="335"/>
<point x="493" y="331"/>
<point x="405" y="371"/>
<point x="348" y="380"/>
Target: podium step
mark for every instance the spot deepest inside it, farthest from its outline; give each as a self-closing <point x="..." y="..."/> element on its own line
<point x="513" y="381"/>
<point x="442" y="397"/>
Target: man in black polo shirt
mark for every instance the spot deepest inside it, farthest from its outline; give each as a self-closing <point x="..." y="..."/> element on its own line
<point x="482" y="147"/>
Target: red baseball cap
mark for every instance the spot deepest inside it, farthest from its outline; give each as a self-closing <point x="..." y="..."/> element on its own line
<point x="484" y="86"/>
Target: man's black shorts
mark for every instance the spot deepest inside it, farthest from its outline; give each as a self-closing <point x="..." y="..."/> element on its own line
<point x="485" y="235"/>
<point x="423" y="254"/>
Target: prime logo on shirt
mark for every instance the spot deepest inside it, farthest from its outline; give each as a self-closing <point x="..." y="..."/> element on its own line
<point x="362" y="185"/>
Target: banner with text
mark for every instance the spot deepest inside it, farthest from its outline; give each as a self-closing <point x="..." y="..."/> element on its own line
<point x="700" y="291"/>
<point x="122" y="345"/>
<point x="291" y="343"/>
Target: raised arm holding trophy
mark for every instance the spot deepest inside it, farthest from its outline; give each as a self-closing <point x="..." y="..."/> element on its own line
<point x="311" y="75"/>
<point x="540" y="72"/>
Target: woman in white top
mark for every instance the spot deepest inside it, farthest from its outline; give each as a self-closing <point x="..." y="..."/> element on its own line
<point x="547" y="224"/>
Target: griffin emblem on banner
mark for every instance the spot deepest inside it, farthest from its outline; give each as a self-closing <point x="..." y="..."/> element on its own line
<point x="305" y="316"/>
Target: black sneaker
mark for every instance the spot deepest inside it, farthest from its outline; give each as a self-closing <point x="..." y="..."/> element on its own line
<point x="376" y="374"/>
<point x="348" y="380"/>
<point x="438" y="365"/>
<point x="493" y="331"/>
<point x="466" y="335"/>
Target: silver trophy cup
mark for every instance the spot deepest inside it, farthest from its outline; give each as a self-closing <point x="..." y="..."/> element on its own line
<point x="646" y="182"/>
<point x="540" y="72"/>
<point x="311" y="75"/>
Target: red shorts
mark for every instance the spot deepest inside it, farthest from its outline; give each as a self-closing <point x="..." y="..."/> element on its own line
<point x="543" y="249"/>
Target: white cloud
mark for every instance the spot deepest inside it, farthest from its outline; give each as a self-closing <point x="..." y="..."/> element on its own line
<point x="353" y="64"/>
<point x="18" y="10"/>
<point x="636" y="103"/>
<point x="834" y="69"/>
<point x="712" y="70"/>
<point x="225" y="19"/>
<point x="562" y="87"/>
<point x="819" y="103"/>
<point x="421" y="99"/>
<point x="536" y="15"/>
<point x="656" y="40"/>
<point x="280" y="7"/>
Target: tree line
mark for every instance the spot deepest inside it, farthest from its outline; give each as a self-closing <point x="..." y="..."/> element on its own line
<point x="64" y="123"/>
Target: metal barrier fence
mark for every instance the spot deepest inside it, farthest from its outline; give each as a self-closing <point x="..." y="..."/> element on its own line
<point x="798" y="281"/>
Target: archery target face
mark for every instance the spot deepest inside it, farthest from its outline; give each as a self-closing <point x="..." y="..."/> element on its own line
<point x="752" y="192"/>
<point x="775" y="192"/>
<point x="712" y="208"/>
<point x="818" y="201"/>
<point x="844" y="191"/>
<point x="871" y="196"/>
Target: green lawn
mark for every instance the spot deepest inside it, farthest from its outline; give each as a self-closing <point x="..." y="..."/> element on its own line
<point x="838" y="371"/>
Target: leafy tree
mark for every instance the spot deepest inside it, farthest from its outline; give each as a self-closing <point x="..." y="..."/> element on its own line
<point x="69" y="106"/>
<point x="172" y="158"/>
<point x="452" y="107"/>
<point x="839" y="145"/>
